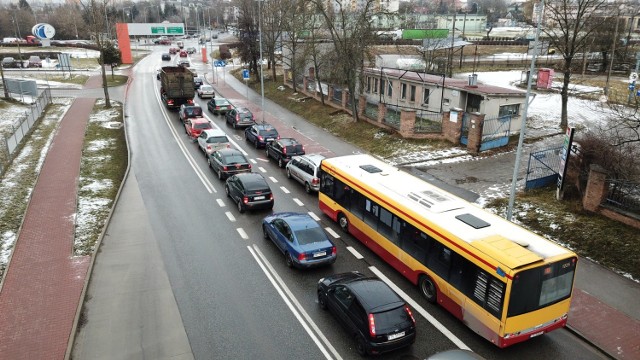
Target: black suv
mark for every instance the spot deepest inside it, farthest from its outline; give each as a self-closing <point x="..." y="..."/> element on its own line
<point x="189" y="111"/>
<point x="197" y="82"/>
<point x="261" y="134"/>
<point x="367" y="307"/>
<point x="283" y="149"/>
<point x="250" y="191"/>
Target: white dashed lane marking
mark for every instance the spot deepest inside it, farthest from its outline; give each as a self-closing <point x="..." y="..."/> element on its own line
<point x="242" y="233"/>
<point x="355" y="253"/>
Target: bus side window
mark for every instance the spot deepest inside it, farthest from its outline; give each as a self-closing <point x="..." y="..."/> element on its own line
<point x="439" y="260"/>
<point x="415" y="243"/>
<point x="357" y="204"/>
<point x="326" y="186"/>
<point x="371" y="213"/>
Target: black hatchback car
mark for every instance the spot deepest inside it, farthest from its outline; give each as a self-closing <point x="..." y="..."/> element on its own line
<point x="283" y="149"/>
<point x="261" y="134"/>
<point x="369" y="309"/>
<point x="226" y="162"/>
<point x="239" y="117"/>
<point x="250" y="191"/>
<point x="197" y="82"/>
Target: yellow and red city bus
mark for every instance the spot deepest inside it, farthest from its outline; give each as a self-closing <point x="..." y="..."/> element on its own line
<point x="504" y="282"/>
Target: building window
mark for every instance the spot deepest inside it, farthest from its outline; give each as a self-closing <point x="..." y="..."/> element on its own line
<point x="412" y="93"/>
<point x="445" y="102"/>
<point x="382" y="85"/>
<point x="425" y="96"/>
<point x="368" y="84"/>
<point x="375" y="85"/>
<point x="390" y="88"/>
<point x="403" y="91"/>
<point x="509" y="110"/>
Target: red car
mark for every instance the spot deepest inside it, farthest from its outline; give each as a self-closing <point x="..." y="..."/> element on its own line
<point x="173" y="50"/>
<point x="193" y="127"/>
<point x="183" y="53"/>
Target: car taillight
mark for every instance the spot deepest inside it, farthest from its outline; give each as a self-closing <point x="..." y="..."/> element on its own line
<point x="225" y="168"/>
<point x="406" y="308"/>
<point x="302" y="146"/>
<point x="270" y="196"/>
<point x="170" y="102"/>
<point x="229" y="146"/>
<point x="249" y="164"/>
<point x="237" y="117"/>
<point x="190" y="102"/>
<point x="245" y="200"/>
<point x="260" y="138"/>
<point x="372" y="326"/>
<point x="284" y="150"/>
<point x="209" y="147"/>
<point x="334" y="250"/>
<point x="278" y="137"/>
<point x="217" y="107"/>
<point x="315" y="181"/>
<point x="301" y="257"/>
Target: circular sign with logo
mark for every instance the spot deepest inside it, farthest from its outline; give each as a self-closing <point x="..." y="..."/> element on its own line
<point x="43" y="31"/>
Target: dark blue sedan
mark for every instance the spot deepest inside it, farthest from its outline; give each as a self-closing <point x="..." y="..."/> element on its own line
<point x="300" y="238"/>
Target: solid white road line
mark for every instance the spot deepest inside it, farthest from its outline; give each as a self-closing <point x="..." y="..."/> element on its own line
<point x="291" y="301"/>
<point x="420" y="310"/>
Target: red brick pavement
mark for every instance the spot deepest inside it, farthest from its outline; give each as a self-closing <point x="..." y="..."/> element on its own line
<point x="43" y="282"/>
<point x="606" y="327"/>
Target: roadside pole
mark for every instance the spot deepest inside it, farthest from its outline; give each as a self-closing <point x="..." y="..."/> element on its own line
<point x="245" y="76"/>
<point x="632" y="79"/>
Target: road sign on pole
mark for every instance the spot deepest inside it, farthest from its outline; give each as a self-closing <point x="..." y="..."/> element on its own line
<point x="245" y="74"/>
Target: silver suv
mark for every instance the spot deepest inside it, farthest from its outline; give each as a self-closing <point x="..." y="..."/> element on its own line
<point x="306" y="170"/>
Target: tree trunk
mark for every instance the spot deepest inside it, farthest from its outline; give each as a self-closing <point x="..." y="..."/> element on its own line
<point x="565" y="95"/>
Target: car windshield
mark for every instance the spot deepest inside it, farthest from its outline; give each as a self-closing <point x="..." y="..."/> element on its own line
<point x="202" y="125"/>
<point x="310" y="235"/>
<point x="194" y="111"/>
<point x="234" y="159"/>
<point x="269" y="132"/>
<point x="217" y="139"/>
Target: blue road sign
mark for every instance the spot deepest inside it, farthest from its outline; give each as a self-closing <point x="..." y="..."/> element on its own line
<point x="219" y="63"/>
<point x="632" y="86"/>
<point x="245" y="74"/>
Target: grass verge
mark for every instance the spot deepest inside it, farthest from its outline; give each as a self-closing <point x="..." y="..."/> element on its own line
<point x="102" y="169"/>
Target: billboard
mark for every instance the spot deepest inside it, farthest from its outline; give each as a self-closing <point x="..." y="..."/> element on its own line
<point x="155" y="29"/>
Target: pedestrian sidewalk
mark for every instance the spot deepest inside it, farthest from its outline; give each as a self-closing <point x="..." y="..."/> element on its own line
<point x="611" y="326"/>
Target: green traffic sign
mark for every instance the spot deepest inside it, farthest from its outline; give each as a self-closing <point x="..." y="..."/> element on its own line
<point x="157" y="29"/>
<point x="175" y="30"/>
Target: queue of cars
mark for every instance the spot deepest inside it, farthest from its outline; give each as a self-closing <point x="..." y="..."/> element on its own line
<point x="376" y="317"/>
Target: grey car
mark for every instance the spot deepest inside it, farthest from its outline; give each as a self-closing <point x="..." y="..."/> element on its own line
<point x="306" y="170"/>
<point x="239" y="117"/>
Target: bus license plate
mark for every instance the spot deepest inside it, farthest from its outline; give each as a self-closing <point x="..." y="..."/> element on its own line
<point x="318" y="254"/>
<point x="258" y="198"/>
<point x="396" y="336"/>
<point x="536" y="334"/>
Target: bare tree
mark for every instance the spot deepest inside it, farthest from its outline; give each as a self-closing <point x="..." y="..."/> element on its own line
<point x="272" y="25"/>
<point x="569" y="26"/>
<point x="352" y="35"/>
<point x="96" y="15"/>
<point x="248" y="29"/>
<point x="295" y="24"/>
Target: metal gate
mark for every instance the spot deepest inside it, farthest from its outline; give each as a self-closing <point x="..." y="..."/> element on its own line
<point x="495" y="132"/>
<point x="542" y="168"/>
<point x="464" y="135"/>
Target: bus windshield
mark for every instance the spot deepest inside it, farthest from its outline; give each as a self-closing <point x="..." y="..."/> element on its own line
<point x="536" y="288"/>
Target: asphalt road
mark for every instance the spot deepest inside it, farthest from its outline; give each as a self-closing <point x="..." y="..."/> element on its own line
<point x="182" y="274"/>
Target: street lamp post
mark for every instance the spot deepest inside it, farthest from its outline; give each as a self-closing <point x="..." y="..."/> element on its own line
<point x="261" y="72"/>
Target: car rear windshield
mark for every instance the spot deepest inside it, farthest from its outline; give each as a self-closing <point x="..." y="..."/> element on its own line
<point x="269" y="132"/>
<point x="234" y="159"/>
<point x="294" y="149"/>
<point x="195" y="111"/>
<point x="390" y="320"/>
<point x="202" y="126"/>
<point x="217" y="139"/>
<point x="222" y="102"/>
<point x="310" y="235"/>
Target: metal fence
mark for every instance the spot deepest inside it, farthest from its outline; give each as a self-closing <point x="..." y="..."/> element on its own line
<point x="23" y="125"/>
<point x="336" y="97"/>
<point x="623" y="195"/>
<point x="542" y="168"/>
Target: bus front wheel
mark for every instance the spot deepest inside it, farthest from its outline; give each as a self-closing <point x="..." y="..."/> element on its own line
<point x="343" y="222"/>
<point x="428" y="288"/>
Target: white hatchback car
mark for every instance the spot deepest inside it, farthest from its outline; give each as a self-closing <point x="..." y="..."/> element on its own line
<point x="205" y="91"/>
<point x="306" y="170"/>
<point x="211" y="140"/>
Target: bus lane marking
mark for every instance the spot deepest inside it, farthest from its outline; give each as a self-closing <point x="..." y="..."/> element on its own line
<point x="332" y="233"/>
<point x="420" y="309"/>
<point x="294" y="305"/>
<point x="230" y="216"/>
<point x="355" y="253"/>
<point x="243" y="234"/>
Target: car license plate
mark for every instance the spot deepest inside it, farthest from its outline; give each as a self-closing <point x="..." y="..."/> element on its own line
<point x="258" y="198"/>
<point x="268" y="139"/>
<point x="318" y="254"/>
<point x="396" y="336"/>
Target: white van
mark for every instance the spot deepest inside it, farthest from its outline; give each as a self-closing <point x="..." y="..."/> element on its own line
<point x="180" y="44"/>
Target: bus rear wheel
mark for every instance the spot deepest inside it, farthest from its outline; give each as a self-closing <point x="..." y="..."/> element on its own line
<point x="428" y="288"/>
<point x="343" y="222"/>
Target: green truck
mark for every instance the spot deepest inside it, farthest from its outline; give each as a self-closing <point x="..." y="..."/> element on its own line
<point x="176" y="86"/>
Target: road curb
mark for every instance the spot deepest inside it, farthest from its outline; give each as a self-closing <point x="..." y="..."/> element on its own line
<point x="577" y="333"/>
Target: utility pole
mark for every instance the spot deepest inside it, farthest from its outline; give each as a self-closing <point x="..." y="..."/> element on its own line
<point x="261" y="71"/>
<point x="613" y="54"/>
